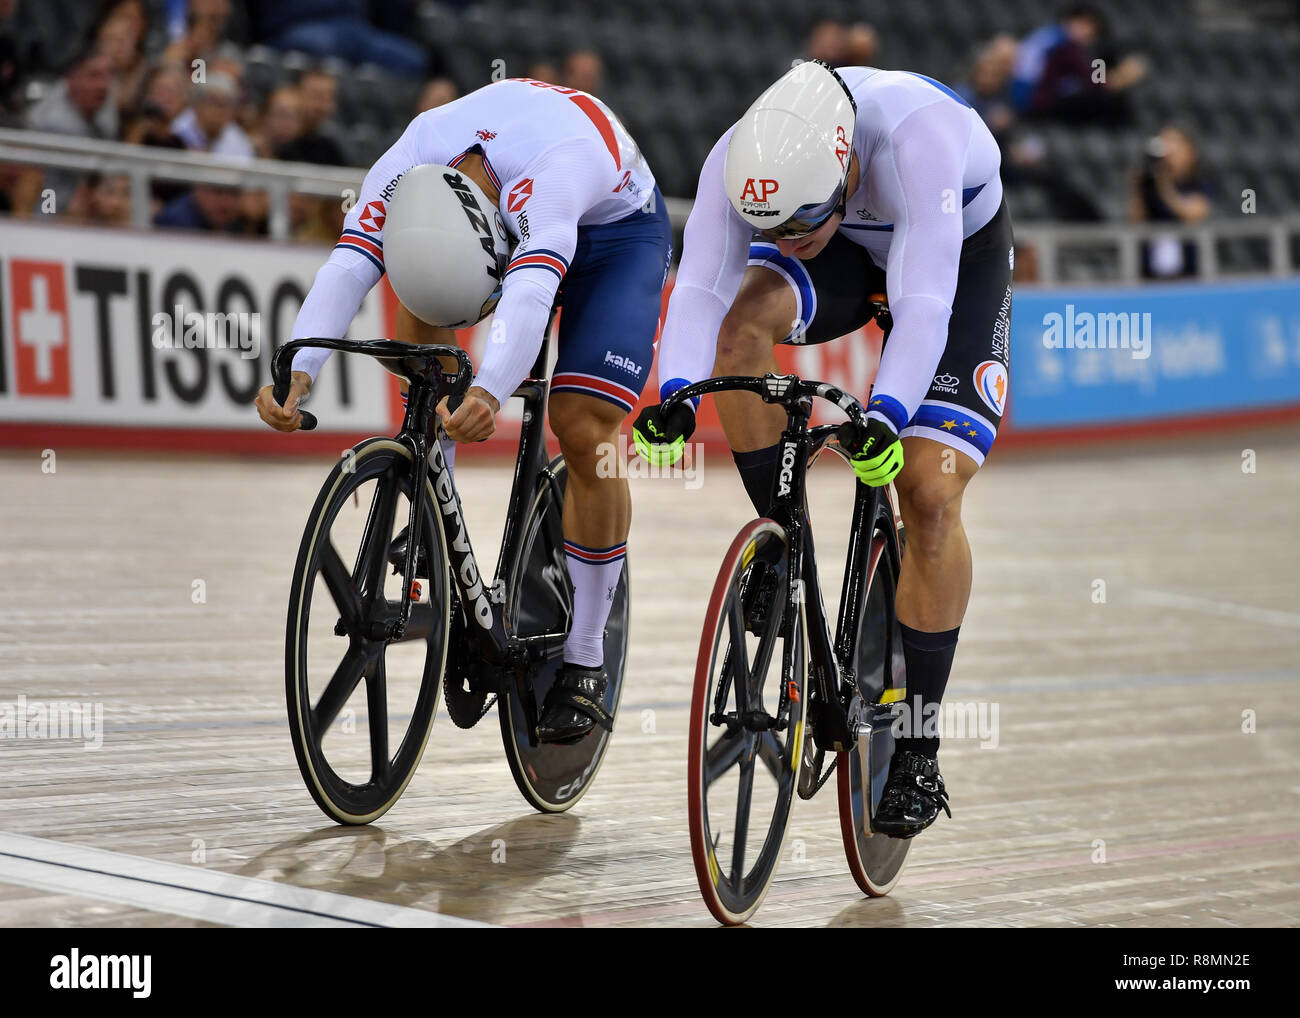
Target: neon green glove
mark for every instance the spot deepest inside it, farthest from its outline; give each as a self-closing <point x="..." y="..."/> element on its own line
<point x="662" y="442"/>
<point x="876" y="454"/>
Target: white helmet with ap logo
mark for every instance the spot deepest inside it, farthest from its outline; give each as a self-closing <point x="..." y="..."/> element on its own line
<point x="788" y="158"/>
<point x="445" y="247"/>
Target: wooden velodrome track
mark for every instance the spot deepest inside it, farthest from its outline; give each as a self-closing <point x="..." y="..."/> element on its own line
<point x="1122" y="791"/>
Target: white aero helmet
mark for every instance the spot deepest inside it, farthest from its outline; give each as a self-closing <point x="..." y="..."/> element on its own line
<point x="789" y="155"/>
<point x="445" y="247"/>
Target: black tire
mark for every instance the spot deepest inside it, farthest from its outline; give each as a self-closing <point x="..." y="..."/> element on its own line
<point x="732" y="886"/>
<point x="361" y="596"/>
<point x="539" y="599"/>
<point x="875" y="860"/>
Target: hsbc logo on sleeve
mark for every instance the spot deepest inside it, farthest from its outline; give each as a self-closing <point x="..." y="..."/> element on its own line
<point x="519" y="195"/>
<point x="372" y="218"/>
<point x="39" y="327"/>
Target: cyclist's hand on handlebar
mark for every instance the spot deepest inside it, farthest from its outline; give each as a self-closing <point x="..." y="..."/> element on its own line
<point x="474" y="420"/>
<point x="661" y="440"/>
<point x="287" y="417"/>
<point x="875" y="452"/>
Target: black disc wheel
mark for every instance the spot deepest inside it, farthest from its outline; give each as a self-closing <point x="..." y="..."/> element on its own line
<point x="875" y="860"/>
<point x="539" y="599"/>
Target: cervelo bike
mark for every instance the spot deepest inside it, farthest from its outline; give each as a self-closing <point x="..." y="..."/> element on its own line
<point x="436" y="614"/>
<point x="773" y="694"/>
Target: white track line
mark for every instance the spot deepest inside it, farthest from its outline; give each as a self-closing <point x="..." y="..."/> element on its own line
<point x="1248" y="613"/>
<point x="192" y="891"/>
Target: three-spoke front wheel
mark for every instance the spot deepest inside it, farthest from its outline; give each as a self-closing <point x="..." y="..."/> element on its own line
<point x="361" y="702"/>
<point x="743" y="767"/>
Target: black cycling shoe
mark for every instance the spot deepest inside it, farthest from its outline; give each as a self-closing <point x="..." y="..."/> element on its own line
<point x="574" y="706"/>
<point x="913" y="796"/>
<point x="397" y="556"/>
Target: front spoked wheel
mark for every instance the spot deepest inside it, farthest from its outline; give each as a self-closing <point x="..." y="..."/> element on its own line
<point x="361" y="704"/>
<point x="539" y="599"/>
<point x="743" y="769"/>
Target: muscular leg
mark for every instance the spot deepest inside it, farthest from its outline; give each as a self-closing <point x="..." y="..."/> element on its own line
<point x="597" y="516"/>
<point x="934" y="586"/>
<point x="761" y="316"/>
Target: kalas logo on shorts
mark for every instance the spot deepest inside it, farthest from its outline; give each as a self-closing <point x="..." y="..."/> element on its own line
<point x="991" y="384"/>
<point x="373" y="217"/>
<point x="519" y="195"/>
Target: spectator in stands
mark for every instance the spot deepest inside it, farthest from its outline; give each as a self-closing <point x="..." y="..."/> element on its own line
<point x="83" y="103"/>
<point x="105" y="199"/>
<point x="584" y="70"/>
<point x="861" y="43"/>
<point x="543" y="70"/>
<point x="120" y="31"/>
<point x="826" y="42"/>
<point x="203" y="25"/>
<point x="20" y="189"/>
<point x="209" y="124"/>
<point x="1057" y="77"/>
<point x="216" y="209"/>
<point x="281" y="122"/>
<point x="317" y="95"/>
<point x="1024" y="158"/>
<point x="13" y="62"/>
<point x="335" y="28"/>
<point x="437" y="92"/>
<point x="1169" y="189"/>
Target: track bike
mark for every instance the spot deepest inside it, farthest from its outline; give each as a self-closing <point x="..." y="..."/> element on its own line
<point x="774" y="695"/>
<point x="436" y="621"/>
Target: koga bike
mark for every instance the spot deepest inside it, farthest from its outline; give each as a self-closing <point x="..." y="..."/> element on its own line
<point x="774" y="695"/>
<point x="369" y="647"/>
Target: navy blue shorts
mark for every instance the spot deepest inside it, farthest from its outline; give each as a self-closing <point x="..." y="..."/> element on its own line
<point x="610" y="304"/>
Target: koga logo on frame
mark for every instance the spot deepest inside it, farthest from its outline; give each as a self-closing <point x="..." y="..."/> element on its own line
<point x="787" y="469"/>
<point x="73" y="971"/>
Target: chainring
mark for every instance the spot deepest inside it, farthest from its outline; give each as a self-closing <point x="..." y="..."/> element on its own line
<point x="463" y="690"/>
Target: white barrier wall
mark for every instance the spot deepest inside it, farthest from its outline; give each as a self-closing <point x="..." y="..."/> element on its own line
<point x="81" y="343"/>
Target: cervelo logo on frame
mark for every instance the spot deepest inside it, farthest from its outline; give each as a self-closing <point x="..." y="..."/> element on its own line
<point x="519" y="195"/>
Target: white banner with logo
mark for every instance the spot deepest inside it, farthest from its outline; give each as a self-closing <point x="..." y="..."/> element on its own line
<point x="164" y="330"/>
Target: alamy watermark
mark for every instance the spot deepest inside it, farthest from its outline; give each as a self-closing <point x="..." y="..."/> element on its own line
<point x="615" y="461"/>
<point x="947" y="720"/>
<point x="1088" y="330"/>
<point x="36" y="719"/>
<point x="208" y="330"/>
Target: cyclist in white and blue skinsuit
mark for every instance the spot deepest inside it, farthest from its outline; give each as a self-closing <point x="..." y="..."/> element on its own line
<point x="835" y="186"/>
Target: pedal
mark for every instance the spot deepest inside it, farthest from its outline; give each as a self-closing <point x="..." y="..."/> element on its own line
<point x="860" y="724"/>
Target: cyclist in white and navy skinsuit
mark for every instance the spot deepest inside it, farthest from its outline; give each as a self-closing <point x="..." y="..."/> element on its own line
<point x="576" y="194"/>
<point x="774" y="253"/>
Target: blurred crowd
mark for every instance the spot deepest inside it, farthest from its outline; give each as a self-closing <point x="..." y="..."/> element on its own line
<point x="168" y="74"/>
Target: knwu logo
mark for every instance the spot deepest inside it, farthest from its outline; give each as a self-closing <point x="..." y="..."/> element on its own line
<point x="946" y="383"/>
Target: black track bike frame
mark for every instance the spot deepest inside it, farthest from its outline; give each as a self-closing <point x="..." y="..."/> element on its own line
<point x="832" y="679"/>
<point x="483" y="602"/>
